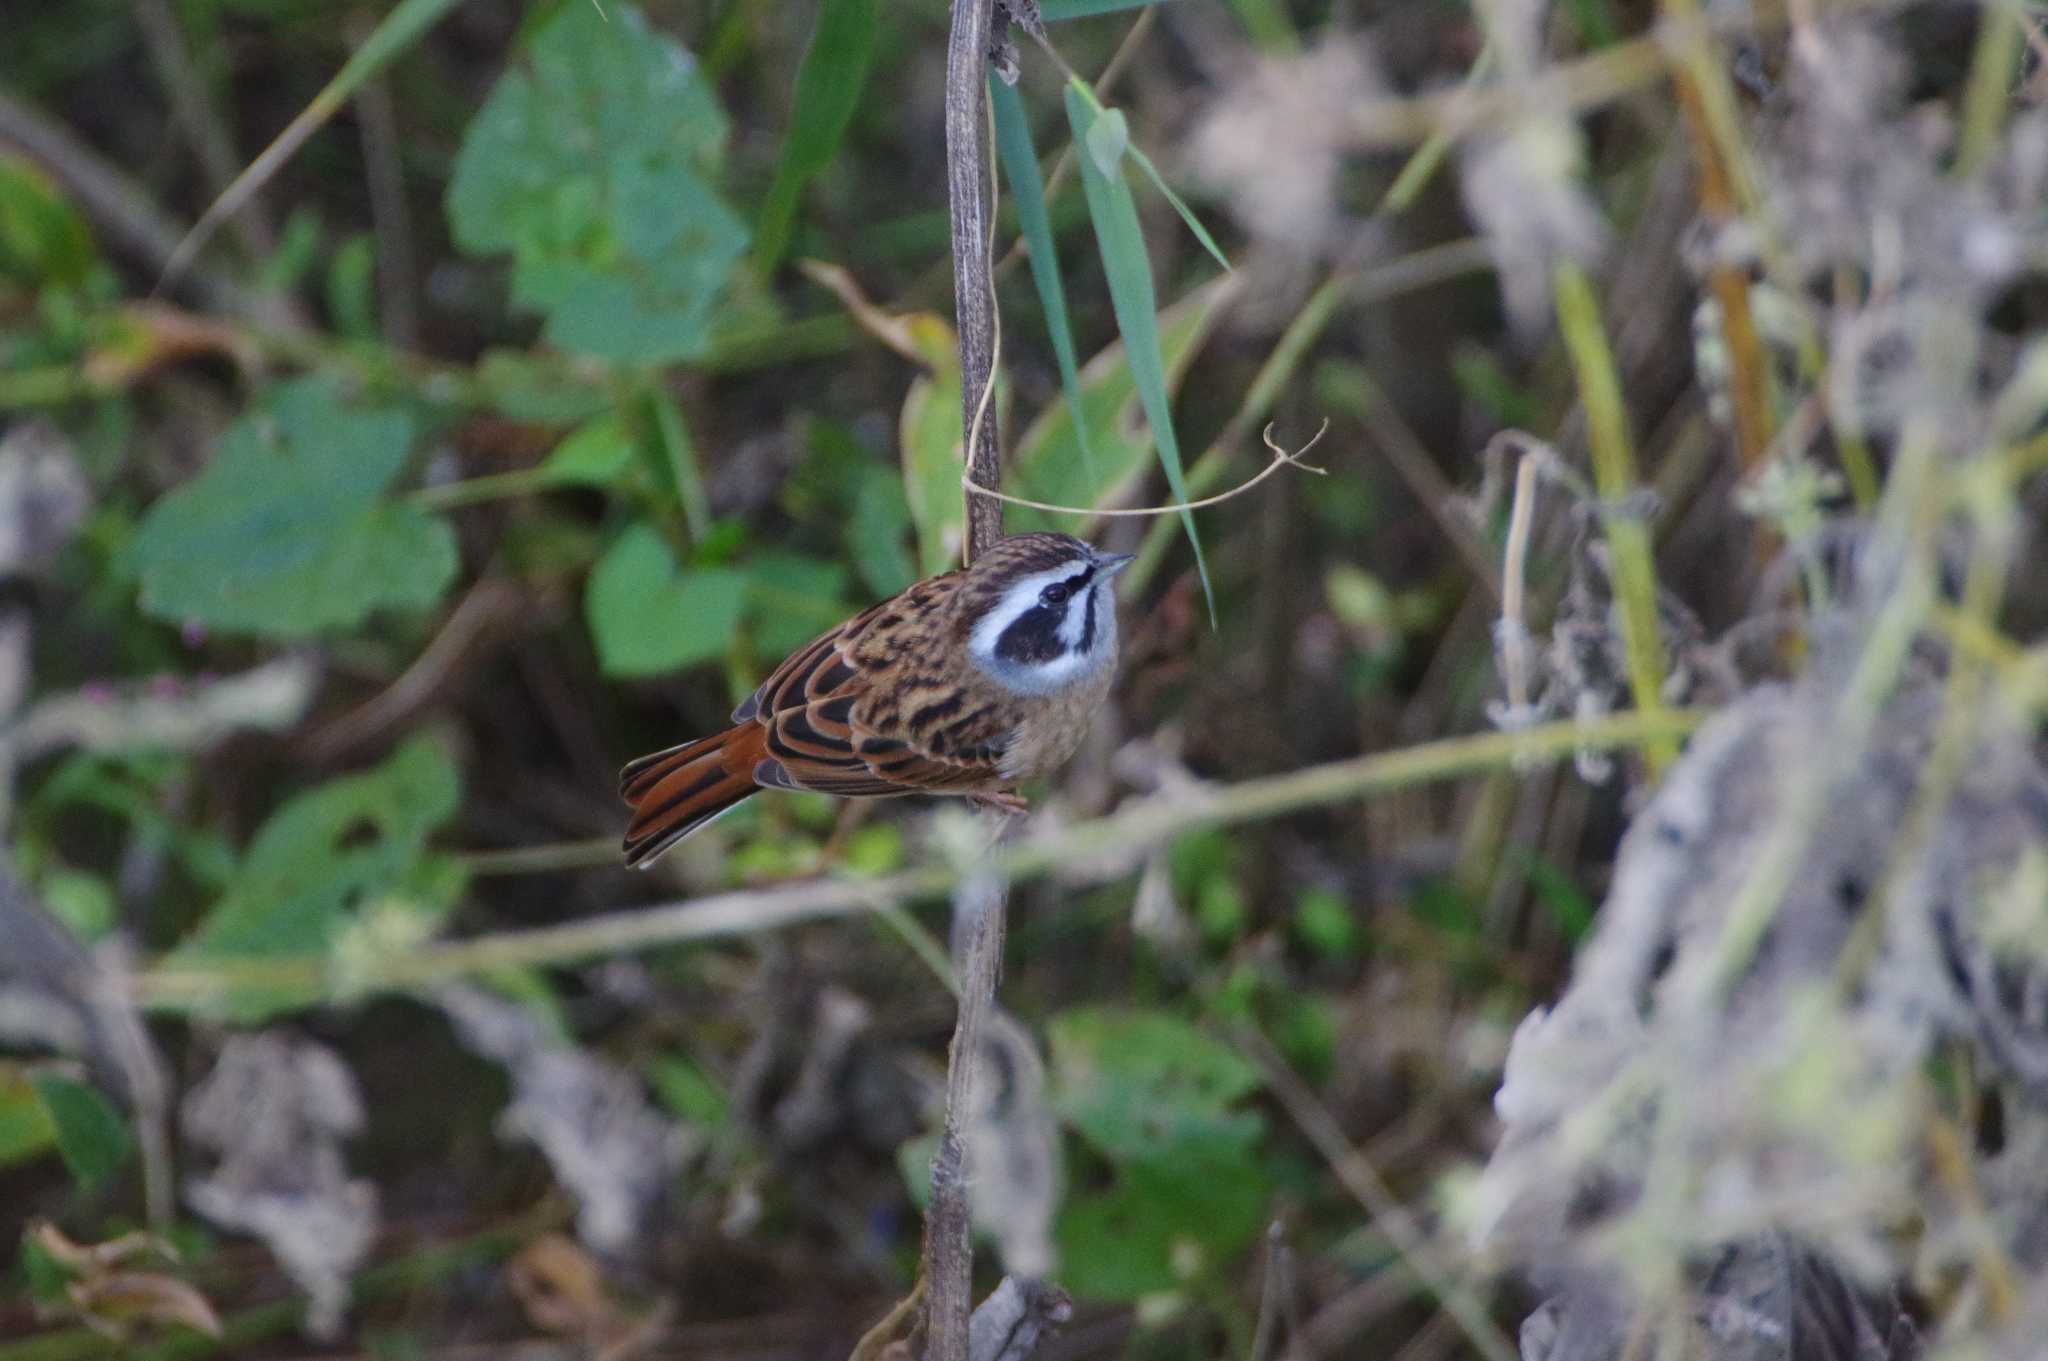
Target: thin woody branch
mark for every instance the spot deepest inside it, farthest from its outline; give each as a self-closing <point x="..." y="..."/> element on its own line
<point x="947" y="1268"/>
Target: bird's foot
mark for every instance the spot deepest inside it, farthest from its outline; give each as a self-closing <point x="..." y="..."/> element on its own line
<point x="1001" y="800"/>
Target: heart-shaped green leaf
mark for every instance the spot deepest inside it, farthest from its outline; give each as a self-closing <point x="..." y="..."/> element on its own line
<point x="648" y="615"/>
<point x="287" y="532"/>
<point x="332" y="850"/>
<point x="595" y="168"/>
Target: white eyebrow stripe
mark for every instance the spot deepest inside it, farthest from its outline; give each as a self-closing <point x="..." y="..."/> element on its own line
<point x="1022" y="595"/>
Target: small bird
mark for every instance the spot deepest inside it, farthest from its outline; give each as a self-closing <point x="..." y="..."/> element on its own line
<point x="965" y="683"/>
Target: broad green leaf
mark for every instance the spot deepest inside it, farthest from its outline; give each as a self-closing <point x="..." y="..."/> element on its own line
<point x="1163" y="1223"/>
<point x="1323" y="921"/>
<point x="327" y="855"/>
<point x="1050" y="463"/>
<point x="595" y="168"/>
<point x="26" y="1130"/>
<point x="688" y="1092"/>
<point x="876" y="532"/>
<point x="84" y="902"/>
<point x="598" y="453"/>
<point x="46" y="1276"/>
<point x="540" y="388"/>
<point x="1020" y="167"/>
<point x="92" y="1137"/>
<point x="287" y="532"/>
<point x="828" y="86"/>
<point x="649" y="615"/>
<point x="1139" y="1084"/>
<point x="43" y="239"/>
<point x="791" y="599"/>
<point x="934" y="453"/>
<point x="1129" y="272"/>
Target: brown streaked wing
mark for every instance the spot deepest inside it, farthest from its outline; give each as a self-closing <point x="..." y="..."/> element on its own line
<point x="829" y="731"/>
<point x="811" y="669"/>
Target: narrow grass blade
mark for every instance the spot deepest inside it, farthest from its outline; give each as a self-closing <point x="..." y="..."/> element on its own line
<point x="1046" y="462"/>
<point x="1129" y="271"/>
<point x="398" y="31"/>
<point x="1020" y="167"/>
<point x="1180" y="206"/>
<point x="679" y="456"/>
<point x="1628" y="538"/>
<point x="1052" y="11"/>
<point x="1144" y="163"/>
<point x="828" y="87"/>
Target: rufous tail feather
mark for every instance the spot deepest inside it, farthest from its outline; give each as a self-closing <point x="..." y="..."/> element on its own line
<point x="675" y="792"/>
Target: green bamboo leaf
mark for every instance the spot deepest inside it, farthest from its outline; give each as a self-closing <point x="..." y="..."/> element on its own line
<point x="1020" y="167"/>
<point x="1109" y="140"/>
<point x="1109" y="137"/>
<point x="828" y="86"/>
<point x="1187" y="214"/>
<point x="1129" y="272"/>
<point x="1047" y="464"/>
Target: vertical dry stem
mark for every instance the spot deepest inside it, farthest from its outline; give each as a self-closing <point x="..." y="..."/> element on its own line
<point x="974" y="299"/>
<point x="948" y="1263"/>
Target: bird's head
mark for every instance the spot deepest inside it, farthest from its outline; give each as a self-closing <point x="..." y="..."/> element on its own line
<point x="1042" y="611"/>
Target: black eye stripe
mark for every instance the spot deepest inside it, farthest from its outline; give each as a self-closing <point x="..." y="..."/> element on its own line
<point x="1032" y="637"/>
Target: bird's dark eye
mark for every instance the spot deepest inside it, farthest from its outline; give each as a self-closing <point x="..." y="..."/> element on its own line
<point x="1055" y="594"/>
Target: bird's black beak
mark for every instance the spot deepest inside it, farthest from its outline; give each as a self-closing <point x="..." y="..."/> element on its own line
<point x="1109" y="564"/>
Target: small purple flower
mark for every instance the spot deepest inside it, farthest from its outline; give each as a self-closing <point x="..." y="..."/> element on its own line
<point x="96" y="692"/>
<point x="164" y="686"/>
<point x="193" y="632"/>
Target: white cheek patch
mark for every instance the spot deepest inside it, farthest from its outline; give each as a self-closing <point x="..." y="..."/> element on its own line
<point x="1041" y="678"/>
<point x="1021" y="596"/>
<point x="1044" y="678"/>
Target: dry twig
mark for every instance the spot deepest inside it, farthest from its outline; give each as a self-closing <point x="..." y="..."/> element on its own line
<point x="947" y="1268"/>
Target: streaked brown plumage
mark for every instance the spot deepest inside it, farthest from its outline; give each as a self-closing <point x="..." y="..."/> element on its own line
<point x="965" y="683"/>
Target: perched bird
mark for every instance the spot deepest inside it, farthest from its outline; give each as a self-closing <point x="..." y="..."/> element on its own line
<point x="965" y="683"/>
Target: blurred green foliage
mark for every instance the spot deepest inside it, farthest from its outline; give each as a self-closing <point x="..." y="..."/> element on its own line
<point x="330" y="504"/>
<point x="1158" y="1100"/>
<point x="287" y="532"/>
<point x="324" y="860"/>
<point x="597" y="170"/>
